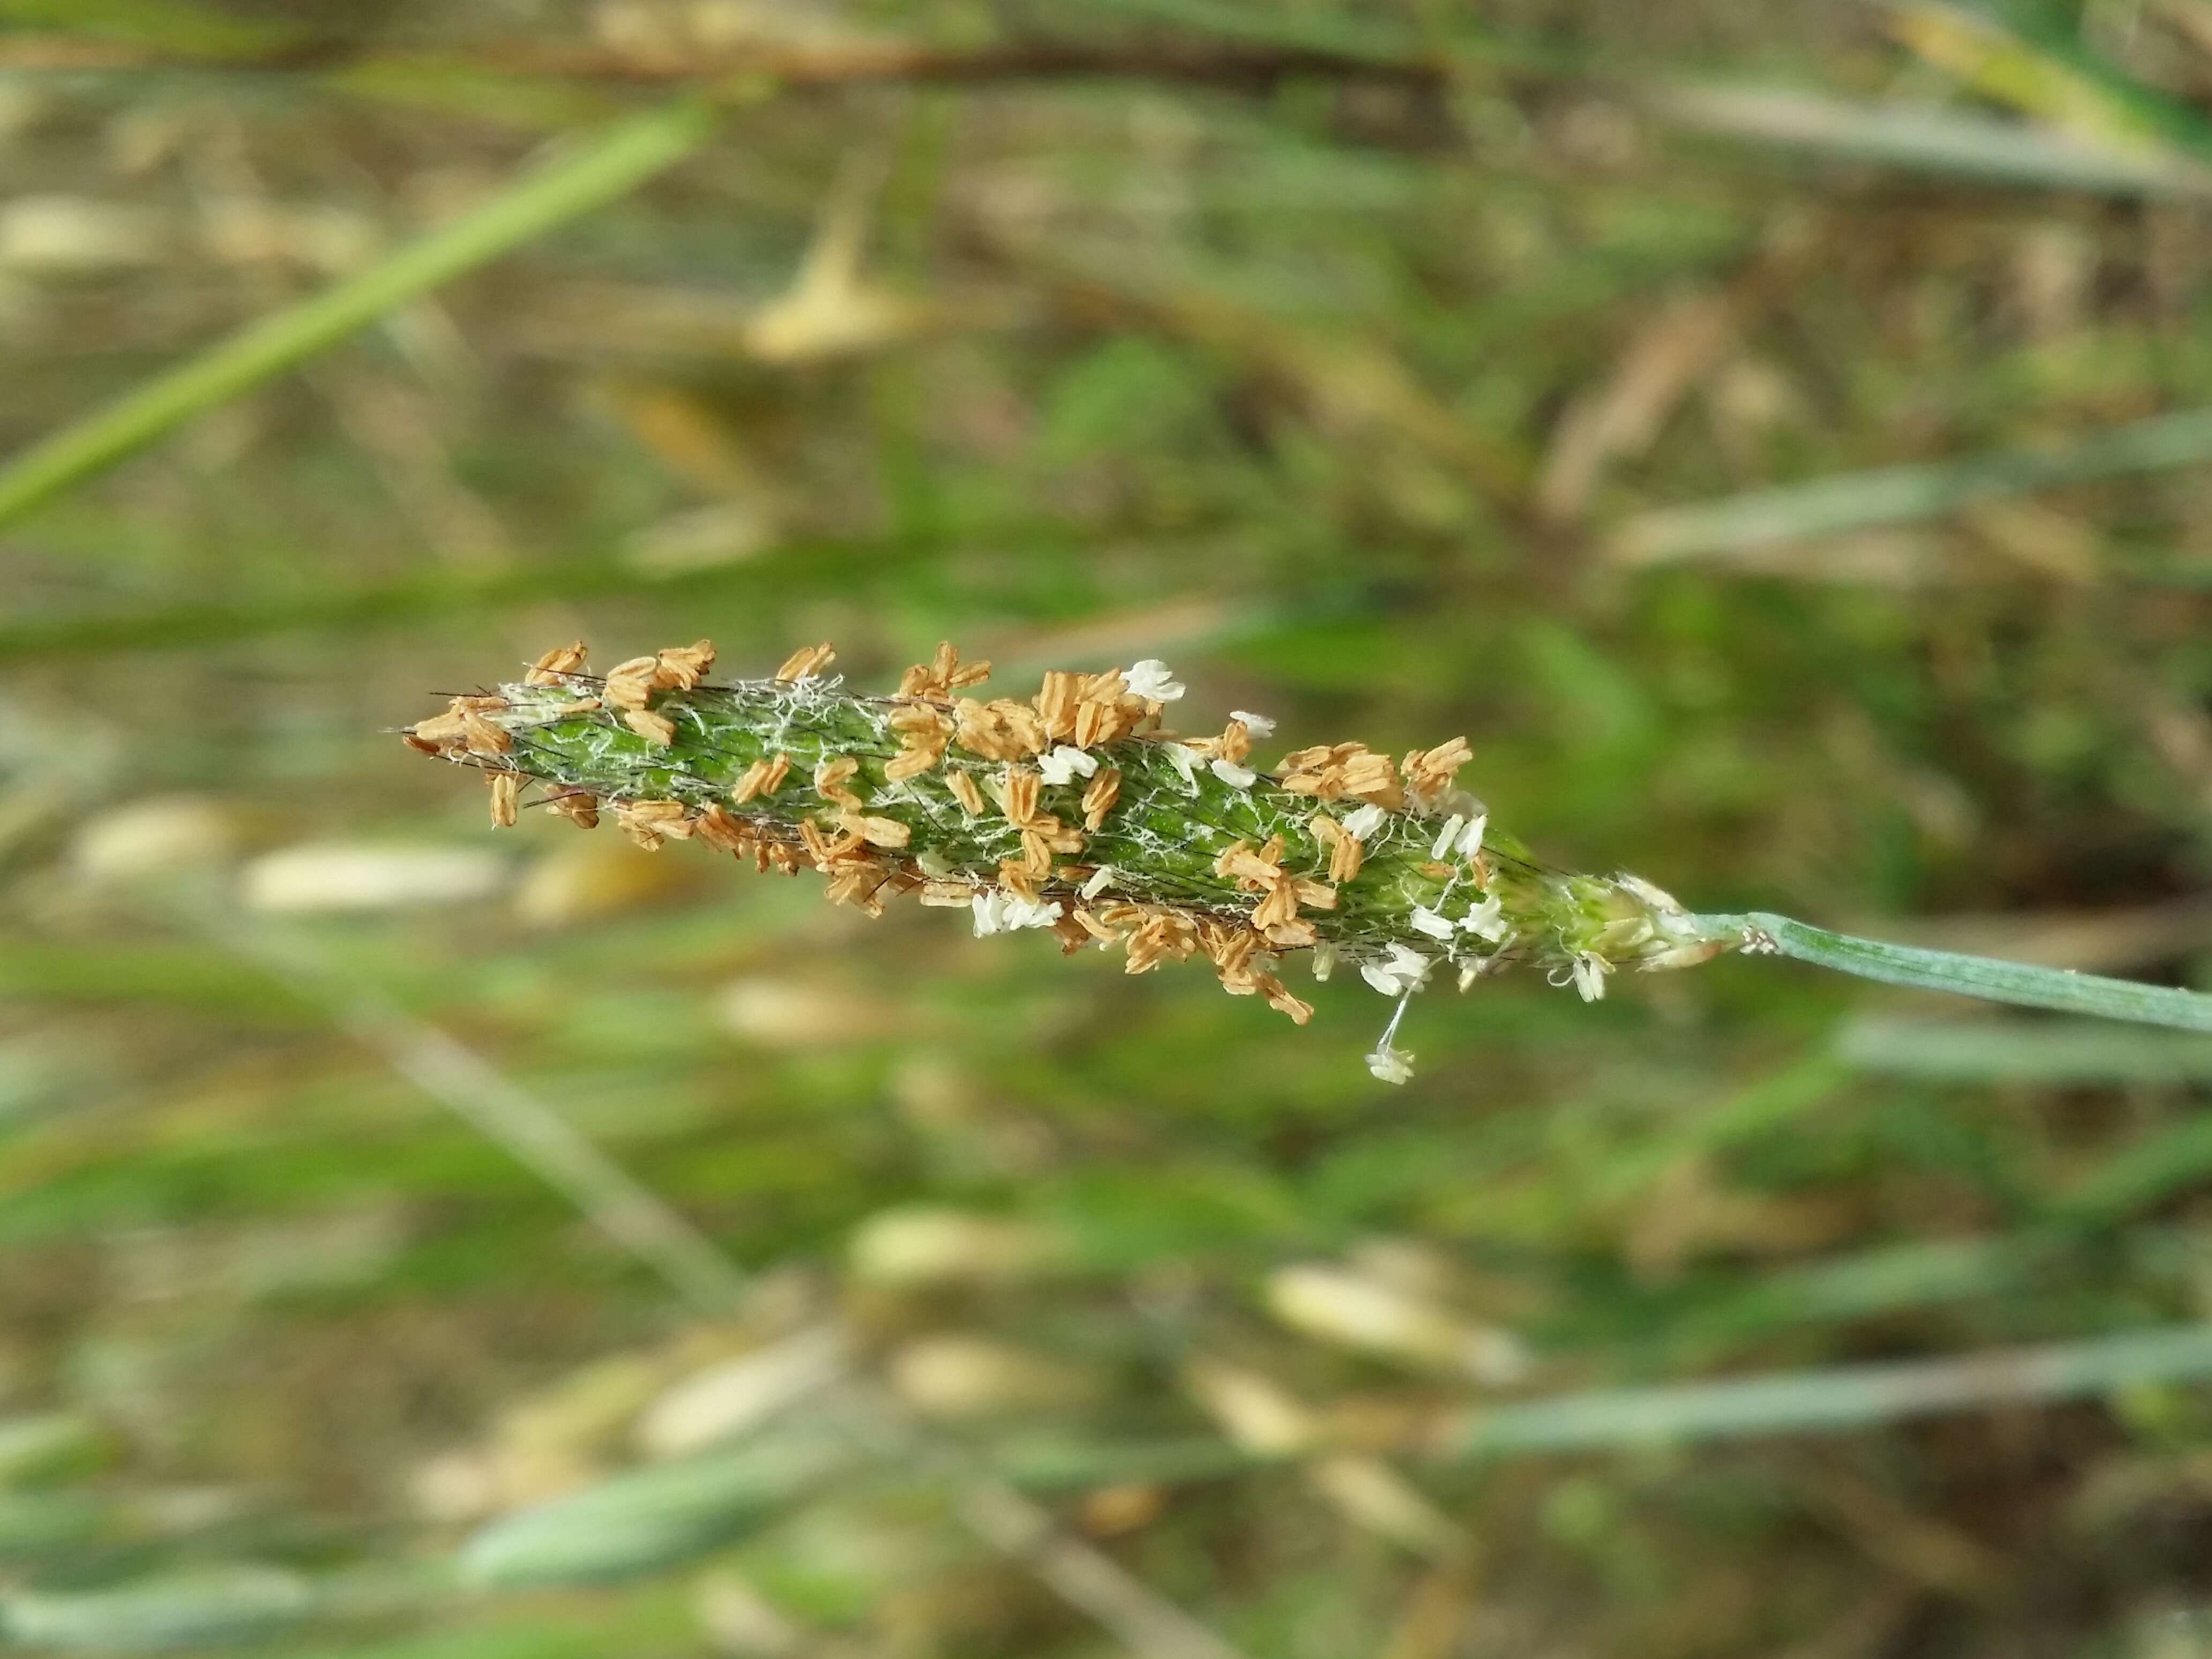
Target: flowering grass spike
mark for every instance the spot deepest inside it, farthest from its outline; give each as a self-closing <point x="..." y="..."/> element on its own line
<point x="1075" y="809"/>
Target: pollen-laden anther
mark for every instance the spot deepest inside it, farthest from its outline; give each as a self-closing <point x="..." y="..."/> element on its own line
<point x="1071" y="810"/>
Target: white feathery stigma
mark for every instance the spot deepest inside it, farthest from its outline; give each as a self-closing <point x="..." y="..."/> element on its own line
<point x="1399" y="974"/>
<point x="1064" y="763"/>
<point x="1150" y="680"/>
<point x="1363" y="821"/>
<point x="1589" y="973"/>
<point x="1030" y="913"/>
<point x="1486" y="919"/>
<point x="1185" y="763"/>
<point x="1433" y="923"/>
<point x="998" y="911"/>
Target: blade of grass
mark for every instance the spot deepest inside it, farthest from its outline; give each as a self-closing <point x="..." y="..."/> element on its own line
<point x="2075" y="1256"/>
<point x="1827" y="1401"/>
<point x="1845" y="1397"/>
<point x="2050" y="1053"/>
<point x="609" y="166"/>
<point x="1345" y="32"/>
<point x="748" y="593"/>
<point x="1913" y="138"/>
<point x="1902" y="494"/>
<point x="660" y="1515"/>
<point x="209" y="1604"/>
<point x="2147" y="1174"/>
<point x="1909" y="137"/>
<point x="2047" y="72"/>
<point x="195" y="31"/>
<point x="2016" y="982"/>
<point x="1918" y="1274"/>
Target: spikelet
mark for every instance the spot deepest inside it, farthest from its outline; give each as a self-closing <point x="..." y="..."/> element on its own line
<point x="1105" y="788"/>
<point x="832" y="776"/>
<point x="629" y="684"/>
<point x="806" y="662"/>
<point x="656" y="729"/>
<point x="1344" y="853"/>
<point x="761" y="777"/>
<point x="719" y="827"/>
<point x="942" y="675"/>
<point x="1429" y="772"/>
<point x="579" y="806"/>
<point x="682" y="667"/>
<point x="924" y="732"/>
<point x="648" y="822"/>
<point x="876" y="831"/>
<point x="966" y="792"/>
<point x="556" y="664"/>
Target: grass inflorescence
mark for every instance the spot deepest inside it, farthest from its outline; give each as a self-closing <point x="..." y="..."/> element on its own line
<point x="1076" y="809"/>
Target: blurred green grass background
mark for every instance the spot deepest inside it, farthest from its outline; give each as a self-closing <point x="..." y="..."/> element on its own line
<point x="1774" y="435"/>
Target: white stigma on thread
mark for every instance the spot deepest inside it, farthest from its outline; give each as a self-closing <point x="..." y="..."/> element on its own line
<point x="1386" y="1063"/>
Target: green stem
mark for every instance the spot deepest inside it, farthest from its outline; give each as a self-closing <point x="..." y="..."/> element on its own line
<point x="2018" y="982"/>
<point x="588" y="176"/>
